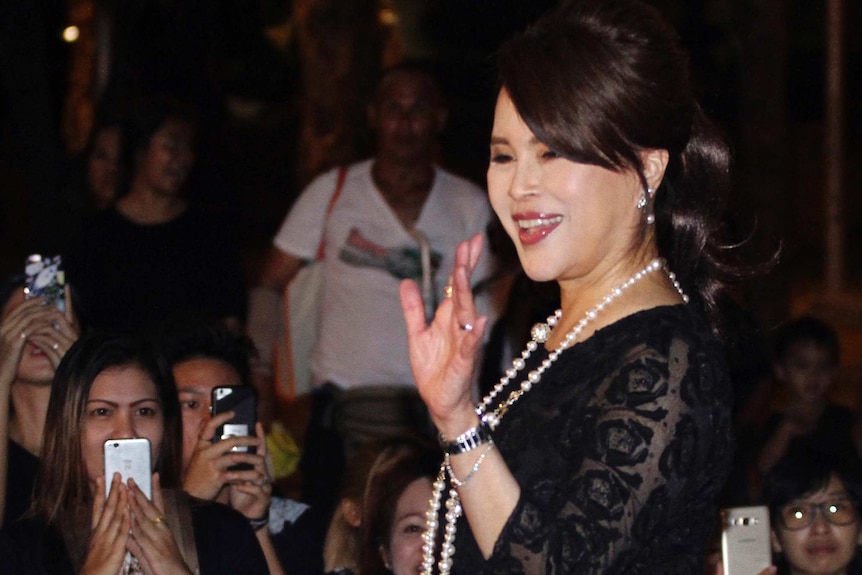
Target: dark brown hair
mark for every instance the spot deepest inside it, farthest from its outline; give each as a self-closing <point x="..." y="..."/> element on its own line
<point x="599" y="82"/>
<point x="62" y="486"/>
<point x="398" y="465"/>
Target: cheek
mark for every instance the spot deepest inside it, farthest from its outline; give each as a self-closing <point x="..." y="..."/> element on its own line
<point x="154" y="431"/>
<point x="406" y="551"/>
<point x="92" y="451"/>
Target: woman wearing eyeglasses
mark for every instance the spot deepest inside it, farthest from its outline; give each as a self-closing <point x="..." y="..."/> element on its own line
<point x="814" y="502"/>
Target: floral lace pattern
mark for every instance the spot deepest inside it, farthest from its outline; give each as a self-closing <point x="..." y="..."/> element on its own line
<point x="619" y="453"/>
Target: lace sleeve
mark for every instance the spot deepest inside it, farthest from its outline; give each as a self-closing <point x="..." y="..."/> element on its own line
<point x="626" y="478"/>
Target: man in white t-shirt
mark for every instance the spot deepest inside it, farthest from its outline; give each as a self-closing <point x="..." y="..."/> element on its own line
<point x="388" y="206"/>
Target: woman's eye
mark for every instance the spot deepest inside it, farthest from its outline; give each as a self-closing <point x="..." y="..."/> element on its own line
<point x="147" y="411"/>
<point x="191" y="404"/>
<point x="414" y="529"/>
<point x="550" y="155"/>
<point x="501" y="158"/>
<point x="100" y="412"/>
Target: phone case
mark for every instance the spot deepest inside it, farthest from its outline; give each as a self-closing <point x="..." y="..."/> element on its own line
<point x="745" y="544"/>
<point x="45" y="277"/>
<point x="242" y="400"/>
<point x="131" y="457"/>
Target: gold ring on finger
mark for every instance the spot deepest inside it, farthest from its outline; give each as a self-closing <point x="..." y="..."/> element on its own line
<point x="159" y="519"/>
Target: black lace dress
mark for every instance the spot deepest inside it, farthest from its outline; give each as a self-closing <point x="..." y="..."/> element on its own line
<point x="620" y="451"/>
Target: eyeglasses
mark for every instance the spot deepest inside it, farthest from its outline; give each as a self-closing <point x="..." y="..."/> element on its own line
<point x="801" y="514"/>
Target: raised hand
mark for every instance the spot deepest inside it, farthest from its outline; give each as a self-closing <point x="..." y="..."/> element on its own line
<point x="110" y="529"/>
<point x="63" y="332"/>
<point x="44" y="326"/>
<point x="443" y="354"/>
<point x="208" y="470"/>
<point x="251" y="495"/>
<point x="152" y="542"/>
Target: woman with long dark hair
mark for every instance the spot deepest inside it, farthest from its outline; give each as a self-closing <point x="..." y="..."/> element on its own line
<point x="110" y="387"/>
<point x="603" y="447"/>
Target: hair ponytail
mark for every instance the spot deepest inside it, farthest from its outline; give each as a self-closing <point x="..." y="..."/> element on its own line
<point x="689" y="206"/>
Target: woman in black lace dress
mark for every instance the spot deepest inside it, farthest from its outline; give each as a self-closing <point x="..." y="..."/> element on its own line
<point x="604" y="446"/>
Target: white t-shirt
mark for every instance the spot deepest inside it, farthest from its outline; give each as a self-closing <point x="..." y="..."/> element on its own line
<point x="362" y="338"/>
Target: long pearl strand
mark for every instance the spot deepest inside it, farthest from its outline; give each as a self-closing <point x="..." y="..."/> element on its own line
<point x="540" y="334"/>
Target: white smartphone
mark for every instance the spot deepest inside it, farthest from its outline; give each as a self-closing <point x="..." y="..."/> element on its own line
<point x="745" y="544"/>
<point x="131" y="458"/>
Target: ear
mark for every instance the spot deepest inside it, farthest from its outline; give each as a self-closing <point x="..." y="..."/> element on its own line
<point x="654" y="164"/>
<point x="384" y="554"/>
<point x="776" y="541"/>
<point x="351" y="511"/>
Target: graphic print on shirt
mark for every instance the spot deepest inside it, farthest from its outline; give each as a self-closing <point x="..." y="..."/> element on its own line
<point x="399" y="262"/>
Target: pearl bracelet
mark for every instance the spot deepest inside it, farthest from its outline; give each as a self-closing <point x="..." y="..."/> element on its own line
<point x="462" y="482"/>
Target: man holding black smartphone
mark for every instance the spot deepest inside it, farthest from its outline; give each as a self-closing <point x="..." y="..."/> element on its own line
<point x="208" y="361"/>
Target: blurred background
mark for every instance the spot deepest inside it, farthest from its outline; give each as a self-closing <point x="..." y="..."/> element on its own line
<point x="281" y="87"/>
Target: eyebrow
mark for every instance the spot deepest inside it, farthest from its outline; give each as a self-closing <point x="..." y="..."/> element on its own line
<point x="115" y="404"/>
<point x="196" y="389"/>
<point x="501" y="140"/>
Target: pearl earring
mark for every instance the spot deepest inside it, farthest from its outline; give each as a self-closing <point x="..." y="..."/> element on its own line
<point x="645" y="203"/>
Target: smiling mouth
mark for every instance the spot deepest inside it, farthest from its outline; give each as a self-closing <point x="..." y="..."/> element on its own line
<point x="533" y="223"/>
<point x="533" y="228"/>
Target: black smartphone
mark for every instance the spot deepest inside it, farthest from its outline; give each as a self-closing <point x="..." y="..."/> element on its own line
<point x="45" y="278"/>
<point x="242" y="400"/>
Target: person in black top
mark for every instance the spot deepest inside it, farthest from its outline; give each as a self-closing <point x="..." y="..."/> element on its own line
<point x="603" y="447"/>
<point x="204" y="356"/>
<point x="33" y="339"/>
<point x="806" y="358"/>
<point x="154" y="255"/>
<point x="113" y="387"/>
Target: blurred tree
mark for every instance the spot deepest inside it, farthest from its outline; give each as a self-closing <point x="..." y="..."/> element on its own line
<point x="340" y="45"/>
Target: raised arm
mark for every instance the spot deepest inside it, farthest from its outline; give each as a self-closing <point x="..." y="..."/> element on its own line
<point x="443" y="356"/>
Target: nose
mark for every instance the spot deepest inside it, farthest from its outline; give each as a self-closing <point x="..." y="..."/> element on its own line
<point x="820" y="524"/>
<point x="124" y="426"/>
<point x="526" y="179"/>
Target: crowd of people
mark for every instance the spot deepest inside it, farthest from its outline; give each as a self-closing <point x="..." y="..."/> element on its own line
<point x="607" y="445"/>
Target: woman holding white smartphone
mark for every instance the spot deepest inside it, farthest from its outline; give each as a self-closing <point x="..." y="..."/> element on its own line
<point x="111" y="387"/>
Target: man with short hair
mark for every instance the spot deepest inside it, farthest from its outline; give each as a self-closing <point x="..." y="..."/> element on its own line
<point x="397" y="215"/>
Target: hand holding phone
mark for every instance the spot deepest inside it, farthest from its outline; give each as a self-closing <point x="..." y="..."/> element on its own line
<point x="242" y="401"/>
<point x="45" y="278"/>
<point x="131" y="459"/>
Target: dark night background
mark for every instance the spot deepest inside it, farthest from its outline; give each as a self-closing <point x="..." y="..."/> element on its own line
<point x="759" y="67"/>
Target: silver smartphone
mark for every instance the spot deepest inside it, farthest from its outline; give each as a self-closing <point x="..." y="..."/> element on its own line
<point x="131" y="458"/>
<point x="745" y="544"/>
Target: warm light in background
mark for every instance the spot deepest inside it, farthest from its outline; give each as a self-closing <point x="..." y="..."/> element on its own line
<point x="71" y="34"/>
<point x="388" y="17"/>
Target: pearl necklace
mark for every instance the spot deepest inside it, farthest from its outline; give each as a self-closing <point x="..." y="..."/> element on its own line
<point x="539" y="334"/>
